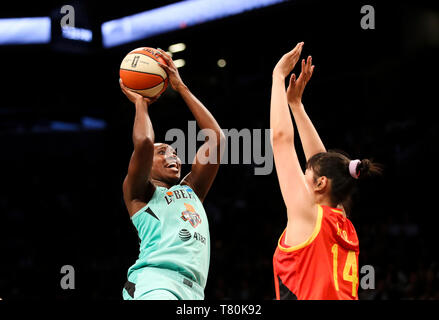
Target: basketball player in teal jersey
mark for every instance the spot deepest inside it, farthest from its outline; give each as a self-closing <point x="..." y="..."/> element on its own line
<point x="168" y="213"/>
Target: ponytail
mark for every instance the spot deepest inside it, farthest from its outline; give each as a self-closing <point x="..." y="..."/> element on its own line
<point x="360" y="169"/>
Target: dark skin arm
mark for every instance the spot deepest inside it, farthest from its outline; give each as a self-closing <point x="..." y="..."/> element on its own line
<point x="137" y="189"/>
<point x="203" y="172"/>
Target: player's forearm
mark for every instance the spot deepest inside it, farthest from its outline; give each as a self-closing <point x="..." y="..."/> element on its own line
<point x="202" y="115"/>
<point x="281" y="124"/>
<point x="311" y="142"/>
<point x="142" y="130"/>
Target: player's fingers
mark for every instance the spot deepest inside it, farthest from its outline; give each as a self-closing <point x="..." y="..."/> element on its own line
<point x="294" y="52"/>
<point x="303" y="76"/>
<point x="163" y="52"/>
<point x="293" y="79"/>
<point x="297" y="50"/>
<point x="169" y="63"/>
<point x="164" y="55"/>
<point x="308" y="67"/>
<point x="291" y="52"/>
<point x="122" y="86"/>
<point x="164" y="66"/>
<point x="298" y="46"/>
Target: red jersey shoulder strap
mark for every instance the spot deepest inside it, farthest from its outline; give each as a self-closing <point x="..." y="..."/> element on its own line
<point x="284" y="247"/>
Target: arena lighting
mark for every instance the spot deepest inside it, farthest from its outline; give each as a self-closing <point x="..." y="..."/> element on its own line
<point x="25" y="30"/>
<point x="172" y="17"/>
<point x="221" y="63"/>
<point x="77" y="34"/>
<point x="179" y="63"/>
<point x="178" y="47"/>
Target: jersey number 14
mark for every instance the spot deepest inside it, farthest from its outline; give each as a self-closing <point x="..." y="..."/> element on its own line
<point x="350" y="270"/>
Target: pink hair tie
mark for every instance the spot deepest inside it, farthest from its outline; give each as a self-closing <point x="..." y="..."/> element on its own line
<point x="353" y="168"/>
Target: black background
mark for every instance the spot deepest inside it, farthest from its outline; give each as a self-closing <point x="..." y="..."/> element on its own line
<point x="372" y="95"/>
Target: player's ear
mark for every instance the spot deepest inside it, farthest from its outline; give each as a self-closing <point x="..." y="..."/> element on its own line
<point x="321" y="184"/>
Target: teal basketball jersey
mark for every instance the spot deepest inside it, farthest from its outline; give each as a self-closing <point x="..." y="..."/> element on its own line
<point x="174" y="235"/>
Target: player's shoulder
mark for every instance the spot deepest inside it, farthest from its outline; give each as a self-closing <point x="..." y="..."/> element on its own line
<point x="334" y="215"/>
<point x="330" y="210"/>
<point x="338" y="226"/>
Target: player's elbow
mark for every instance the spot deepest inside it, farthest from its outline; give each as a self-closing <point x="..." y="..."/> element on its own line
<point x="279" y="137"/>
<point x="216" y="138"/>
<point x="144" y="144"/>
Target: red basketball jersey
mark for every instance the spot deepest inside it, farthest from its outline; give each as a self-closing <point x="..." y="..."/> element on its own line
<point x="325" y="267"/>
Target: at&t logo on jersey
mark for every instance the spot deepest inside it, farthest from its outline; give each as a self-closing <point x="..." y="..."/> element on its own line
<point x="185" y="235"/>
<point x="191" y="216"/>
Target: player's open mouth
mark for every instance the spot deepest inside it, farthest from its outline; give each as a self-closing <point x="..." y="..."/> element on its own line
<point x="173" y="166"/>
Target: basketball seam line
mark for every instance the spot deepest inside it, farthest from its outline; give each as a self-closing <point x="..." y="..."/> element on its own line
<point x="154" y="74"/>
<point x="148" y="88"/>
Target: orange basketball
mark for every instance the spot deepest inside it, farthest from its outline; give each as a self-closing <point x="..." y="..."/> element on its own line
<point x="140" y="72"/>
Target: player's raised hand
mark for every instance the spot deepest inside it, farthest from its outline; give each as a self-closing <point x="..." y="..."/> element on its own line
<point x="134" y="96"/>
<point x="172" y="71"/>
<point x="288" y="61"/>
<point x="297" y="86"/>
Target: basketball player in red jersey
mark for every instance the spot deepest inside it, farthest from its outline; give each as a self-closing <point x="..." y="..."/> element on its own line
<point x="317" y="254"/>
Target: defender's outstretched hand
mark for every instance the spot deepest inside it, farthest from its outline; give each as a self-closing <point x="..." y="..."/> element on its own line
<point x="288" y="61"/>
<point x="296" y="86"/>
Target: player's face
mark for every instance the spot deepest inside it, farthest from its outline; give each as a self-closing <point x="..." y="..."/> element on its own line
<point x="166" y="165"/>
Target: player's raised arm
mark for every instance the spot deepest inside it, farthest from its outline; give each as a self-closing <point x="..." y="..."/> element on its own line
<point x="137" y="190"/>
<point x="207" y="160"/>
<point x="292" y="182"/>
<point x="311" y="142"/>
